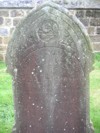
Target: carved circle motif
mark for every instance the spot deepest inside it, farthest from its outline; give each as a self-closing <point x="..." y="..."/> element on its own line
<point x="48" y="29"/>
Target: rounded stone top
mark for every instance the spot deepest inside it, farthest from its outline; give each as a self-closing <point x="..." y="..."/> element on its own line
<point x="50" y="25"/>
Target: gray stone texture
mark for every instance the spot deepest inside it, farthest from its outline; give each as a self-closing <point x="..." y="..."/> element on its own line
<point x="8" y="22"/>
<point x="50" y="57"/>
<point x="0" y="40"/>
<point x="90" y="13"/>
<point x="98" y="30"/>
<point x="85" y="21"/>
<point x="9" y="19"/>
<point x="96" y="46"/>
<point x="68" y="3"/>
<point x="16" y="13"/>
<point x="1" y="20"/>
<point x="3" y="32"/>
<point x="1" y="56"/>
<point x="80" y="13"/>
<point x="15" y="3"/>
<point x="16" y="21"/>
<point x="95" y="38"/>
<point x="93" y="13"/>
<point x="95" y="22"/>
<point x="91" y="30"/>
<point x="4" y="13"/>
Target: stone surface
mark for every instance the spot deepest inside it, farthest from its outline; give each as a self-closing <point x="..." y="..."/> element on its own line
<point x="98" y="30"/>
<point x="1" y="56"/>
<point x="16" y="21"/>
<point x="50" y="58"/>
<point x="1" y="20"/>
<point x="4" y="13"/>
<point x="2" y="47"/>
<point x="90" y="13"/>
<point x="91" y="30"/>
<point x="95" y="38"/>
<point x="68" y="3"/>
<point x="17" y="13"/>
<point x="4" y="32"/>
<point x="15" y="3"/>
<point x="84" y="21"/>
<point x="97" y="14"/>
<point x="80" y="13"/>
<point x="93" y="13"/>
<point x="95" y="22"/>
<point x="8" y="22"/>
<point x="6" y="40"/>
<point x="96" y="47"/>
<point x="0" y="40"/>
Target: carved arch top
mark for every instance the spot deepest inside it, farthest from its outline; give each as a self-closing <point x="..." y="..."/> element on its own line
<point x="50" y="25"/>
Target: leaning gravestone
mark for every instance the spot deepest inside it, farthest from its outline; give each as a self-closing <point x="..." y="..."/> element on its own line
<point x="50" y="58"/>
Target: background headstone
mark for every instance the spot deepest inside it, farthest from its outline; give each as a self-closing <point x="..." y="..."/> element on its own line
<point x="50" y="58"/>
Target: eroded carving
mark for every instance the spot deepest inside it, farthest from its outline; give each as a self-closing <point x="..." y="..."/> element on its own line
<point x="48" y="29"/>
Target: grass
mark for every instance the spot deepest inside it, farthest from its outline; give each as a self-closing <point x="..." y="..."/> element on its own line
<point x="95" y="94"/>
<point x="6" y="100"/>
<point x="95" y="99"/>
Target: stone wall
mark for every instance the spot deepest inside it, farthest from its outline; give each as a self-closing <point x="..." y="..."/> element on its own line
<point x="91" y="20"/>
<point x="9" y="19"/>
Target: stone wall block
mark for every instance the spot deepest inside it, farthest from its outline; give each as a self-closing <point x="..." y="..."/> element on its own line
<point x="96" y="46"/>
<point x="85" y="21"/>
<point x="80" y="13"/>
<point x="17" y="13"/>
<point x="6" y="40"/>
<point x="4" y="32"/>
<point x="91" y="30"/>
<point x="73" y="12"/>
<point x="1" y="56"/>
<point x="1" y="20"/>
<point x="4" y="13"/>
<point x="2" y="48"/>
<point x="8" y="21"/>
<point x="95" y="38"/>
<point x="16" y="21"/>
<point x="95" y="22"/>
<point x="97" y="13"/>
<point x="98" y="30"/>
<point x="93" y="13"/>
<point x="90" y="13"/>
<point x="0" y="40"/>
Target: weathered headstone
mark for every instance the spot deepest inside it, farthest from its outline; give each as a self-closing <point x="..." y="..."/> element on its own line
<point x="50" y="58"/>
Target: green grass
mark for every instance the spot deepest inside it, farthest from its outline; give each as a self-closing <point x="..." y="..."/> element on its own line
<point x="95" y="94"/>
<point x="97" y="61"/>
<point x="6" y="100"/>
<point x="95" y="99"/>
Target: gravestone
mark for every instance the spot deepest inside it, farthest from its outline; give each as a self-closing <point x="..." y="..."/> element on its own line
<point x="50" y="57"/>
